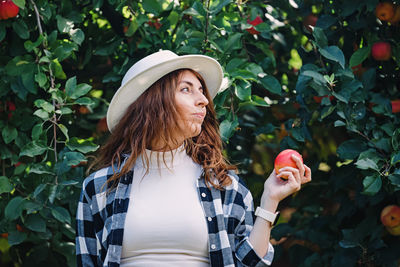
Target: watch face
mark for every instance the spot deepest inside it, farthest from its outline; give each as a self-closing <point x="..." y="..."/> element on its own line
<point x="278" y="214"/>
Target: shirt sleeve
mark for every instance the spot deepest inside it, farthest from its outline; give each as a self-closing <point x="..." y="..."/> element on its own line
<point x="86" y="248"/>
<point x="245" y="252"/>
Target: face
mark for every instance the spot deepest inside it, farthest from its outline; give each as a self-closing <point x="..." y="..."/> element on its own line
<point x="191" y="104"/>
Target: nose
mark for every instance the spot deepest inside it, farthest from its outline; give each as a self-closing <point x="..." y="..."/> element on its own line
<point x="201" y="99"/>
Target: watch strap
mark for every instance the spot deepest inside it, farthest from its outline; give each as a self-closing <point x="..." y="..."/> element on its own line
<point x="267" y="215"/>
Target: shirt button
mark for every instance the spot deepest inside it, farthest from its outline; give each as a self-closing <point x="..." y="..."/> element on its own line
<point x="209" y="219"/>
<point x="203" y="194"/>
<point x="213" y="246"/>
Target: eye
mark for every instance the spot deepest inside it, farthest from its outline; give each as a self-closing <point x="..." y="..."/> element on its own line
<point x="185" y="89"/>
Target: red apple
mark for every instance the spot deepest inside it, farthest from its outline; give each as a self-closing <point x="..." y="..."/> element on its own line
<point x="393" y="230"/>
<point x="101" y="126"/>
<point x="395" y="106"/>
<point x="284" y="159"/>
<point x="381" y="51"/>
<point x="318" y="99"/>
<point x="390" y="216"/>
<point x="8" y="9"/>
<point x="310" y="20"/>
<point x="385" y="11"/>
<point x="254" y="22"/>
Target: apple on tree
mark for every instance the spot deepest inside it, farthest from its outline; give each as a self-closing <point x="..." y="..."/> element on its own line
<point x="385" y="11"/>
<point x="284" y="159"/>
<point x="254" y="22"/>
<point x="8" y="9"/>
<point x="395" y="106"/>
<point x="309" y="22"/>
<point x="381" y="51"/>
<point x="390" y="218"/>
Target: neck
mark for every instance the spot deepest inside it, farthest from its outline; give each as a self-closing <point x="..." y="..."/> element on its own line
<point x="162" y="159"/>
<point x="162" y="146"/>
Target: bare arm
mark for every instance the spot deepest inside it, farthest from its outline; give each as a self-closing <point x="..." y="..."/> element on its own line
<point x="276" y="189"/>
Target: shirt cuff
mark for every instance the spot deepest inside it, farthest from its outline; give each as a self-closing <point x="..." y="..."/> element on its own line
<point x="246" y="254"/>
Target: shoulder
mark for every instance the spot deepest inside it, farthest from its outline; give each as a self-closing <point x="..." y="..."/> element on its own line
<point x="238" y="184"/>
<point x="96" y="182"/>
<point x="238" y="188"/>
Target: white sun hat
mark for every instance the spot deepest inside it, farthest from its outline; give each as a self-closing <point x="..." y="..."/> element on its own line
<point x="148" y="70"/>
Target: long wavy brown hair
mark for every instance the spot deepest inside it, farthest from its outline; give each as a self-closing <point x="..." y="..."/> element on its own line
<point x="154" y="116"/>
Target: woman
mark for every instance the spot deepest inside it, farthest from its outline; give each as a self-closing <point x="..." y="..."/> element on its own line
<point x="164" y="195"/>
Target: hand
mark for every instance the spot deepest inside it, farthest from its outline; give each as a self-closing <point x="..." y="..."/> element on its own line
<point x="276" y="189"/>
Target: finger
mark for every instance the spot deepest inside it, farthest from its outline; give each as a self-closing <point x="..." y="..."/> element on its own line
<point x="291" y="180"/>
<point x="295" y="172"/>
<point x="307" y="174"/>
<point x="299" y="164"/>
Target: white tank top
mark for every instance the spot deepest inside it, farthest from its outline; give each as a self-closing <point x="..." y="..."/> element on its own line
<point x="165" y="224"/>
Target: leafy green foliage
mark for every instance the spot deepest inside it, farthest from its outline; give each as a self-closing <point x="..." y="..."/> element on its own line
<point x="318" y="91"/>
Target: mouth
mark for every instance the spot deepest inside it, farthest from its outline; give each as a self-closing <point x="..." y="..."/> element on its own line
<point x="199" y="115"/>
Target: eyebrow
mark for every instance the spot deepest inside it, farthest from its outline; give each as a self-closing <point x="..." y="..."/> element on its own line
<point x="190" y="83"/>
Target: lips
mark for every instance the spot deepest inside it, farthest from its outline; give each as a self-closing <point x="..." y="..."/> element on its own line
<point x="199" y="115"/>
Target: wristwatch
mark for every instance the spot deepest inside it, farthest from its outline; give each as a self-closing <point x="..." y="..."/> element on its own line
<point x="267" y="215"/>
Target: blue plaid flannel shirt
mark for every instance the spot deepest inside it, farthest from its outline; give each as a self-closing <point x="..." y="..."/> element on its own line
<point x="100" y="222"/>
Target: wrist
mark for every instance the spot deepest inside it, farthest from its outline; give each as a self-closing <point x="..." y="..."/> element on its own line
<point x="269" y="204"/>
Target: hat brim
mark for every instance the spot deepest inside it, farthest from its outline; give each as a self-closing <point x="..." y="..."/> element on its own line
<point x="207" y="67"/>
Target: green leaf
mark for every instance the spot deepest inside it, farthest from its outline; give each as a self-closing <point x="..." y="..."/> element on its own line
<point x="20" y="3"/>
<point x="74" y="158"/>
<point x="29" y="45"/>
<point x="21" y="29"/>
<point x="233" y="42"/>
<point x="320" y="38"/>
<point x="359" y="56"/>
<point x="351" y="149"/>
<point x="34" y="148"/>
<point x="396" y="139"/>
<point x="133" y="26"/>
<point x="394" y="179"/>
<point x="366" y="163"/>
<point x="40" y="103"/>
<point x="87" y="101"/>
<point x="153" y="6"/>
<point x="395" y="158"/>
<point x="38" y="190"/>
<point x="317" y="77"/>
<point x="14" y="208"/>
<point x="5" y="185"/>
<point x="35" y="223"/>
<point x="333" y="53"/>
<point x="348" y="244"/>
<point x="75" y="91"/>
<point x="41" y="79"/>
<point x="53" y="193"/>
<point x="40" y="168"/>
<point x="16" y="237"/>
<point x="64" y="111"/>
<point x="9" y="134"/>
<point x="19" y="65"/>
<point x="57" y="69"/>
<point x="63" y="129"/>
<point x="81" y="145"/>
<point x="372" y="184"/>
<point x="37" y="130"/>
<point x="243" y="90"/>
<point x="41" y="113"/>
<point x="227" y="129"/>
<point x="271" y="84"/>
<point x="77" y="35"/>
<point x="61" y="214"/>
<point x="64" y="25"/>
